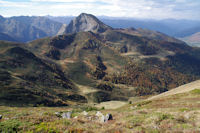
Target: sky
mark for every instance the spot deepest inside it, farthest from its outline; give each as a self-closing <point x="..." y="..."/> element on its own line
<point x="149" y="9"/>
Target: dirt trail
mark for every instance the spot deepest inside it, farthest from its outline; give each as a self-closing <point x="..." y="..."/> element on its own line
<point x="111" y="104"/>
<point x="86" y="89"/>
<point x="181" y="89"/>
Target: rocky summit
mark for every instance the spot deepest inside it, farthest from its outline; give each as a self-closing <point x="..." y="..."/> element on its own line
<point x="86" y="22"/>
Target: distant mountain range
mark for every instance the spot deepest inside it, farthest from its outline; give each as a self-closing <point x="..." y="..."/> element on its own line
<point x="182" y="29"/>
<point x="6" y="37"/>
<point x="193" y="40"/>
<point x="172" y="27"/>
<point x="24" y="28"/>
<point x="90" y="61"/>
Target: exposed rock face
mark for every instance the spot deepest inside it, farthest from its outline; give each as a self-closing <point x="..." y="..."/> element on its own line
<point x="85" y="113"/>
<point x="98" y="114"/>
<point x="86" y="22"/>
<point x="105" y="118"/>
<point x="109" y="117"/>
<point x="66" y="115"/>
<point x="58" y="114"/>
<point x="62" y="29"/>
<point x="25" y="28"/>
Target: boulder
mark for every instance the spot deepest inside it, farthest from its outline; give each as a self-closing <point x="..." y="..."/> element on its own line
<point x="99" y="114"/>
<point x="108" y="117"/>
<point x="105" y="118"/>
<point x="85" y="113"/>
<point x="57" y="114"/>
<point x="67" y="115"/>
<point x="102" y="119"/>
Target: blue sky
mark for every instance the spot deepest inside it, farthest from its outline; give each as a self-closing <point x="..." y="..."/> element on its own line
<point x="151" y="9"/>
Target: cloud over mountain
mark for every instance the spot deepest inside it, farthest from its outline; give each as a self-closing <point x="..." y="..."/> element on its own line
<point x="179" y="9"/>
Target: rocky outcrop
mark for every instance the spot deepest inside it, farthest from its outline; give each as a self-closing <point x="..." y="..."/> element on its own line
<point x="62" y="29"/>
<point x="66" y="115"/>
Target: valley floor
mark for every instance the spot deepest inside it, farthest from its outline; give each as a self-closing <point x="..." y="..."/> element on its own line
<point x="176" y="113"/>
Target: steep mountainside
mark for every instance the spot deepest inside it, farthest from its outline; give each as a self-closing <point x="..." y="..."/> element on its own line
<point x="150" y="34"/>
<point x="154" y="65"/>
<point x="24" y="28"/>
<point x="62" y="29"/>
<point x="26" y="79"/>
<point x="48" y="26"/>
<point x="86" y="60"/>
<point x="6" y="37"/>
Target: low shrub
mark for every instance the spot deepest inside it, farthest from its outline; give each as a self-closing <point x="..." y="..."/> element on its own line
<point x="162" y="117"/>
<point x="196" y="91"/>
<point x="10" y="126"/>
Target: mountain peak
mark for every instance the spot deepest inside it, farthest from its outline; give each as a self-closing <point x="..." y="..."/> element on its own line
<point x="1" y="17"/>
<point x="83" y="14"/>
<point x="86" y="22"/>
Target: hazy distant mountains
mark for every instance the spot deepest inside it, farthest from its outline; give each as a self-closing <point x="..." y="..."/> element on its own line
<point x="172" y="27"/>
<point x="6" y="37"/>
<point x="182" y="29"/>
<point x="24" y="28"/>
<point x="193" y="40"/>
<point x="189" y="32"/>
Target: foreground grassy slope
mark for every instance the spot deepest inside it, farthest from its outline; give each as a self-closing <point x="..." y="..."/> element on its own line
<point x="176" y="113"/>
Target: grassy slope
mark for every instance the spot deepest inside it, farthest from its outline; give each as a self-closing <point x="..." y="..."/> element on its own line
<point x="155" y="65"/>
<point x="175" y="113"/>
<point x="181" y="89"/>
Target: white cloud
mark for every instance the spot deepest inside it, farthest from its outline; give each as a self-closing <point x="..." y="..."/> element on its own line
<point x="156" y="9"/>
<point x="67" y="1"/>
<point x="13" y="4"/>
